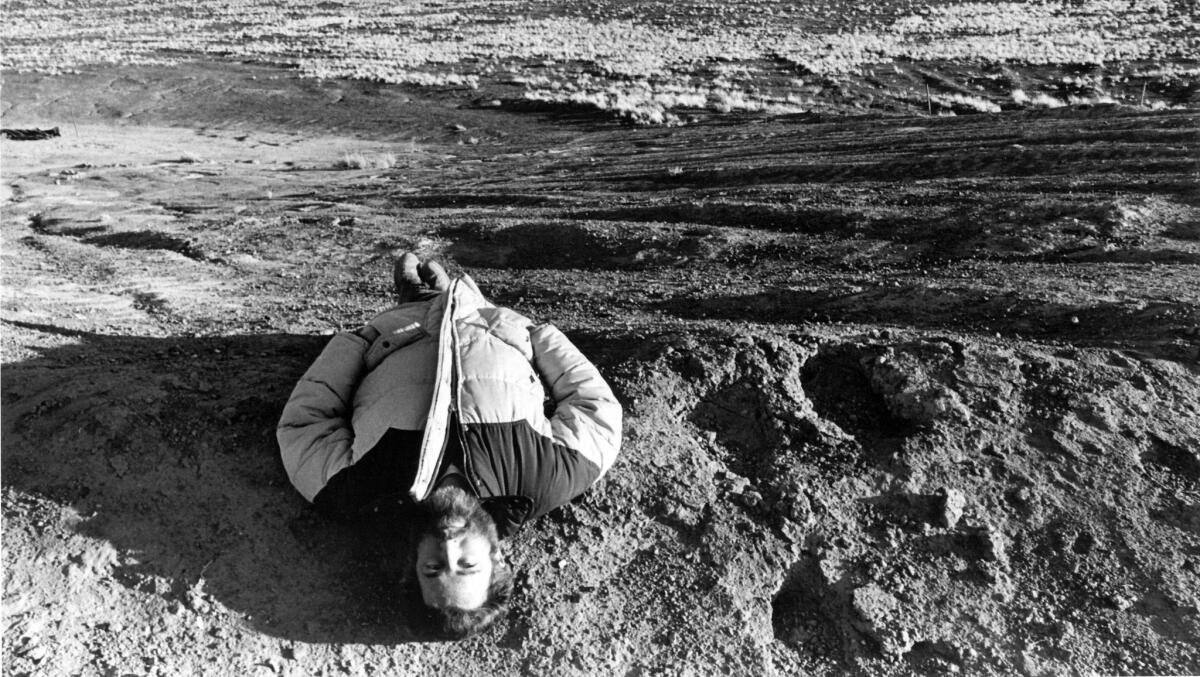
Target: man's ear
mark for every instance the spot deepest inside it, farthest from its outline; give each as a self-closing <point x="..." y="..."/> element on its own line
<point x="407" y="575"/>
<point x="499" y="557"/>
<point x="509" y="513"/>
<point x="407" y="559"/>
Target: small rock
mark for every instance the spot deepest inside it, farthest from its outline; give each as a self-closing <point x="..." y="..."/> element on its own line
<point x="993" y="544"/>
<point x="737" y="484"/>
<point x="119" y="465"/>
<point x="29" y="645"/>
<point x="792" y="533"/>
<point x="751" y="498"/>
<point x="798" y="509"/>
<point x="195" y="600"/>
<point x="877" y="610"/>
<point x="1120" y="601"/>
<point x="37" y="654"/>
<point x="683" y="514"/>
<point x="950" y="507"/>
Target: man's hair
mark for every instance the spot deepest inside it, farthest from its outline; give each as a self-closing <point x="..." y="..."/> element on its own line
<point x="433" y="515"/>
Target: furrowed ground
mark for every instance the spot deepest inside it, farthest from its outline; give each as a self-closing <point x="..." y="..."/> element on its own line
<point x="905" y="393"/>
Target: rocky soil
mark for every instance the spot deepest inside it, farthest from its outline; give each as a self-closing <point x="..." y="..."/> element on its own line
<point x="905" y="393"/>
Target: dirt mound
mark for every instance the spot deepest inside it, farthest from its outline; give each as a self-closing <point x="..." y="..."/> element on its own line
<point x="907" y="496"/>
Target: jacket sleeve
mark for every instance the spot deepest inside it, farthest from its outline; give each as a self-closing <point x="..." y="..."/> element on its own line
<point x="314" y="431"/>
<point x="587" y="416"/>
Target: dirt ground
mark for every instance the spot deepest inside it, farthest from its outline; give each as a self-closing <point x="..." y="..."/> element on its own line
<point x="905" y="394"/>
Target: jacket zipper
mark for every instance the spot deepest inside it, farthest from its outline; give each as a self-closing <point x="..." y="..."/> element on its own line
<point x="456" y="409"/>
<point x="427" y="474"/>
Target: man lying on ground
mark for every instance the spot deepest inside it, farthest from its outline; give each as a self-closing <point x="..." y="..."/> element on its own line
<point x="439" y="403"/>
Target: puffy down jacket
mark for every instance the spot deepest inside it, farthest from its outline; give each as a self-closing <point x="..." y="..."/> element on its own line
<point x="366" y="419"/>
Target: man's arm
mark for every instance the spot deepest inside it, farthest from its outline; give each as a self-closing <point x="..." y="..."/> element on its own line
<point x="314" y="431"/>
<point x="587" y="416"/>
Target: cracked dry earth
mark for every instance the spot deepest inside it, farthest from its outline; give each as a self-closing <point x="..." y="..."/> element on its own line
<point x="904" y="395"/>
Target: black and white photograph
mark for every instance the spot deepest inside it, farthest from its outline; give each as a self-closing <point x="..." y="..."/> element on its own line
<point x="612" y="338"/>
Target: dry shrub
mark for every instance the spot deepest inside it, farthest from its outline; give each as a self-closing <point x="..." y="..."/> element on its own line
<point x="363" y="161"/>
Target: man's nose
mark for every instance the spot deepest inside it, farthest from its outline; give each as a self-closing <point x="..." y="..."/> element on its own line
<point x="451" y="550"/>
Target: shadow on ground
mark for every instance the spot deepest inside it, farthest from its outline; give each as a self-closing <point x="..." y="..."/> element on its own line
<point x="166" y="448"/>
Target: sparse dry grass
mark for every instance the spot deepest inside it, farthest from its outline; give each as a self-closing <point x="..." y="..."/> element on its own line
<point x="644" y="72"/>
<point x="364" y="161"/>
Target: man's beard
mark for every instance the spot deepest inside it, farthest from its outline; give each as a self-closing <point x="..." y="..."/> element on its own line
<point x="449" y="512"/>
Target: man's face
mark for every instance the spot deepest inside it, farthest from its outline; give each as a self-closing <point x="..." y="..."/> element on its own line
<point x="455" y="550"/>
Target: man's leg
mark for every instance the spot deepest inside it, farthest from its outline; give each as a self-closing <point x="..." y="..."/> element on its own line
<point x="405" y="276"/>
<point x="416" y="280"/>
<point x="434" y="275"/>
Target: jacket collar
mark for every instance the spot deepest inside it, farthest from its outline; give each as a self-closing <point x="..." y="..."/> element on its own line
<point x="467" y="299"/>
